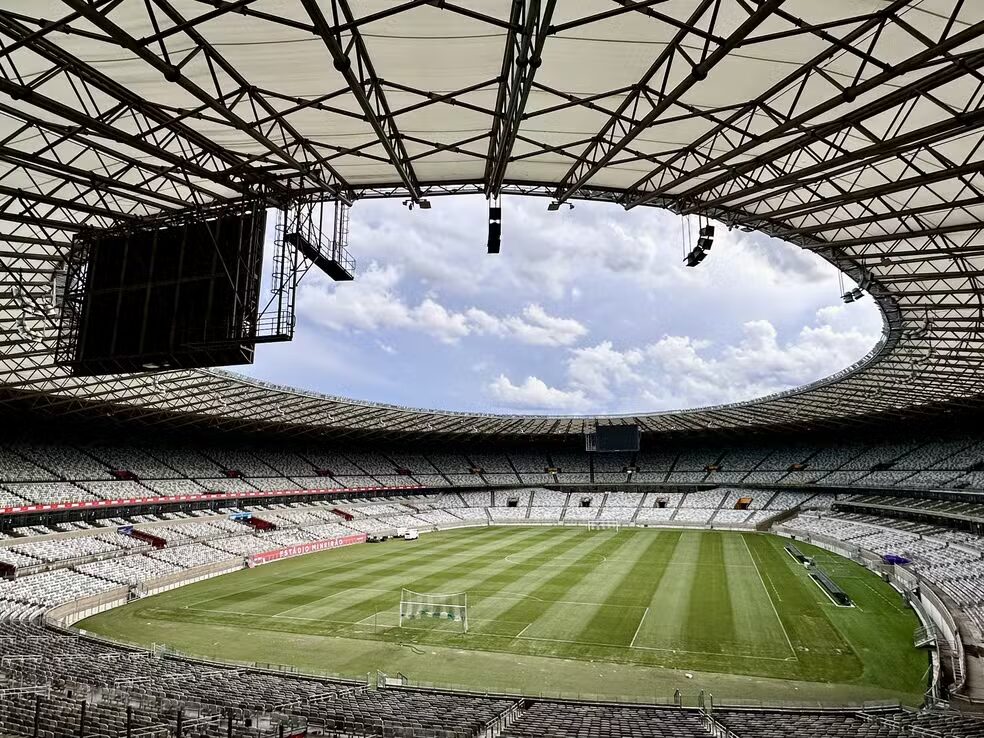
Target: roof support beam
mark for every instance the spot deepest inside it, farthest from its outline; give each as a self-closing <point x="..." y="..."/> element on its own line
<point x="880" y="217"/>
<point x="616" y="135"/>
<point x="850" y="161"/>
<point x="316" y="171"/>
<point x="351" y="59"/>
<point x="854" y="196"/>
<point x="810" y="135"/>
<point x="520" y="61"/>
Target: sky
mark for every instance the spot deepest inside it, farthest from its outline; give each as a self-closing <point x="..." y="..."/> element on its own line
<point x="584" y="311"/>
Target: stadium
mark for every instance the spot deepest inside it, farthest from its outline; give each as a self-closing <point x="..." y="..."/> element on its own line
<point x="189" y="550"/>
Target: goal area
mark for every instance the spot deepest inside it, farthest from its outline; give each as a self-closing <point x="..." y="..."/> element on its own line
<point x="452" y="608"/>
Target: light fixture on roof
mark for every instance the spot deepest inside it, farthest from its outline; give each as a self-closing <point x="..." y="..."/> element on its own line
<point x="554" y="206"/>
<point x="695" y="257"/>
<point x="853" y="295"/>
<point x="424" y="204"/>
<point x="495" y="226"/>
<point x="699" y="252"/>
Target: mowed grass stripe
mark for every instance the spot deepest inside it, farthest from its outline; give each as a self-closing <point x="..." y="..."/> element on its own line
<point x="558" y="582"/>
<point x="311" y="582"/>
<point x="312" y="569"/>
<point x="758" y="629"/>
<point x="633" y="589"/>
<point x="434" y="575"/>
<point x="566" y="621"/>
<point x="275" y="595"/>
<point x="325" y="616"/>
<point x="539" y="544"/>
<point x="710" y="625"/>
<point x="516" y="580"/>
<point x="399" y="572"/>
<point x="492" y="588"/>
<point x="665" y="626"/>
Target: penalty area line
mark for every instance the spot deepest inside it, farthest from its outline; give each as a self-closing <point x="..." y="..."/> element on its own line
<point x="638" y="628"/>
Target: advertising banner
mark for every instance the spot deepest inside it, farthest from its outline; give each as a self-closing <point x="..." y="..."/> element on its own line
<point x="305" y="548"/>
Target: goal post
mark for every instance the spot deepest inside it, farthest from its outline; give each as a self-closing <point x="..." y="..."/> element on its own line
<point x="605" y="525"/>
<point x="452" y="608"/>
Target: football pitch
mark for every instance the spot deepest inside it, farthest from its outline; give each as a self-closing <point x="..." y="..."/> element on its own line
<point x="631" y="614"/>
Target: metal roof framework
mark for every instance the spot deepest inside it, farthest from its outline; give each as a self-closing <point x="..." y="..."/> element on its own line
<point x="853" y="128"/>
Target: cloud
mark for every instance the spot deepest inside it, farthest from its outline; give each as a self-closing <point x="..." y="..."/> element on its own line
<point x="377" y="304"/>
<point x="534" y="394"/>
<point x="680" y="371"/>
<point x="534" y="327"/>
<point x="589" y="310"/>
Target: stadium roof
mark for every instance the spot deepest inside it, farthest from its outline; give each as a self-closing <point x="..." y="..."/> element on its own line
<point x="850" y="127"/>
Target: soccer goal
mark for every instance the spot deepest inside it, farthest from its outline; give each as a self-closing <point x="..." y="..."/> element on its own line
<point x="452" y="608"/>
<point x="605" y="525"/>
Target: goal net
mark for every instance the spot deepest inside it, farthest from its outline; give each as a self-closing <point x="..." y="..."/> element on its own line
<point x="451" y="608"/>
<point x="604" y="525"/>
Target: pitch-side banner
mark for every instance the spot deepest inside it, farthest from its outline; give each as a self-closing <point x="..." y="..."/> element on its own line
<point x="305" y="548"/>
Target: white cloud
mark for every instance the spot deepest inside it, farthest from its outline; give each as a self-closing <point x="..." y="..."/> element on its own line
<point x="375" y="304"/>
<point x="534" y="394"/>
<point x="679" y="371"/>
<point x="538" y="328"/>
<point x="436" y="320"/>
<point x="588" y="310"/>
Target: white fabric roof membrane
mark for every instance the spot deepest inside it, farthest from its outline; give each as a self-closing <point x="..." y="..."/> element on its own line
<point x="850" y="127"/>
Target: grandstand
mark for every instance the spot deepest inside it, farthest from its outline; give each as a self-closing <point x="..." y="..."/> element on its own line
<point x="151" y="495"/>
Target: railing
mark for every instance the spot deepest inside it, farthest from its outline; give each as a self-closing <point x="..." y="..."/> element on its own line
<point x="915" y="730"/>
<point x="715" y="728"/>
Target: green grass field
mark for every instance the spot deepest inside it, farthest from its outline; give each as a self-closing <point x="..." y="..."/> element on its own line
<point x="559" y="610"/>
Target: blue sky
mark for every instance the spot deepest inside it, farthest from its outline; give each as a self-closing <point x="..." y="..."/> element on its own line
<point x="589" y="310"/>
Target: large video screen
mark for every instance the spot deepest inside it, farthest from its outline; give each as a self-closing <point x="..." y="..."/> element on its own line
<point x="617" y="438"/>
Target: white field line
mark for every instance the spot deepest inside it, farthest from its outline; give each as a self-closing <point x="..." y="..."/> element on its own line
<point x="774" y="587"/>
<point x="638" y="628"/>
<point x="520" y="633"/>
<point x="769" y="595"/>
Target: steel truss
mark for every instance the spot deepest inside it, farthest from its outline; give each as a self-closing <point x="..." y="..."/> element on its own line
<point x="866" y="151"/>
